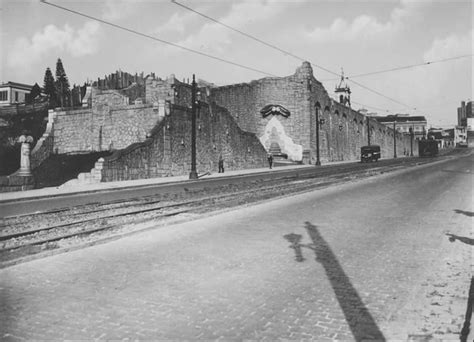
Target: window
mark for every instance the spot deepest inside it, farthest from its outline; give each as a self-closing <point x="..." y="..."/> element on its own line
<point x="4" y="95"/>
<point x="16" y="96"/>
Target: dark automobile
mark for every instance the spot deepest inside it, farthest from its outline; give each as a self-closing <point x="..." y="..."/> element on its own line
<point x="369" y="153"/>
<point x="428" y="148"/>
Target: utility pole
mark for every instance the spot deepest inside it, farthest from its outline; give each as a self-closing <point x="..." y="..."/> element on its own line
<point x="368" y="131"/>
<point x="394" y="139"/>
<point x="193" y="174"/>
<point x="318" y="107"/>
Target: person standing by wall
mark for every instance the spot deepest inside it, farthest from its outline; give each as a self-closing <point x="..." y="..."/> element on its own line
<point x="221" y="164"/>
<point x="270" y="160"/>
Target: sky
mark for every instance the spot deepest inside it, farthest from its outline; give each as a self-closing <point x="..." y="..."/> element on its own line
<point x="356" y="36"/>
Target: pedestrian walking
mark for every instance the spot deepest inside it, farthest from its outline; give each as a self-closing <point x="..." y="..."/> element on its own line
<point x="270" y="160"/>
<point x="221" y="164"/>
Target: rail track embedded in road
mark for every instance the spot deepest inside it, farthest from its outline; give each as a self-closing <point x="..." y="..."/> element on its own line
<point x="23" y="235"/>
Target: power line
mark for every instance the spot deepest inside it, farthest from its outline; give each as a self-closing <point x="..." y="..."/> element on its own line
<point x="402" y="67"/>
<point x="286" y="52"/>
<point x="251" y="37"/>
<point x="380" y="94"/>
<point x="158" y="39"/>
<point x="372" y="107"/>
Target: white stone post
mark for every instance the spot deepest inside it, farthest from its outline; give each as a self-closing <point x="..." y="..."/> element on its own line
<point x="25" y="168"/>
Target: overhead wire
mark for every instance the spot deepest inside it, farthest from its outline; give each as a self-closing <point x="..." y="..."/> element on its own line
<point x="289" y="53"/>
<point x="159" y="39"/>
<point x="403" y="67"/>
<point x="212" y="56"/>
<point x="249" y="36"/>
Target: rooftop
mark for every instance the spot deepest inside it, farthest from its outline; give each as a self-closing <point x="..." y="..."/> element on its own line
<point x="396" y="118"/>
<point x="17" y="85"/>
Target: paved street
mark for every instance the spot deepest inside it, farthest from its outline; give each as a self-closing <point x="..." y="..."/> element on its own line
<point x="365" y="260"/>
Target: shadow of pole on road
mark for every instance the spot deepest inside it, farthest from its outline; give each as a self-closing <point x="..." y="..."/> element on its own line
<point x="466" y="240"/>
<point x="464" y="212"/>
<point x="358" y="317"/>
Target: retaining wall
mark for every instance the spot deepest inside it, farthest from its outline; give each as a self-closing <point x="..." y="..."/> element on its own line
<point x="344" y="130"/>
<point x="167" y="152"/>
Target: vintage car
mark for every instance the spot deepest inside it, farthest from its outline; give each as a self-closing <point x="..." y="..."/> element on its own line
<point x="428" y="148"/>
<point x="369" y="153"/>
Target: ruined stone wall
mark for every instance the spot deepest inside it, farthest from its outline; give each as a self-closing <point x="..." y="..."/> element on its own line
<point x="167" y="152"/>
<point x="110" y="124"/>
<point x="173" y="91"/>
<point x="244" y="102"/>
<point x="340" y="137"/>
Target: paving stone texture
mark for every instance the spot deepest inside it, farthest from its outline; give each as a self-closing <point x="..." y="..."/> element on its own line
<point x="318" y="266"/>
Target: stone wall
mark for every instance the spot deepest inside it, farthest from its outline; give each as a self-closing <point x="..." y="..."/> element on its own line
<point x="110" y="124"/>
<point x="14" y="182"/>
<point x="167" y="152"/>
<point x="171" y="90"/>
<point x="45" y="145"/>
<point x="341" y="136"/>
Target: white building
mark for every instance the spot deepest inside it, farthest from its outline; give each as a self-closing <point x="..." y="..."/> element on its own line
<point x="12" y="92"/>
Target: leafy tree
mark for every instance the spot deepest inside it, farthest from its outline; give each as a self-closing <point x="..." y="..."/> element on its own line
<point x="50" y="88"/>
<point x="62" y="85"/>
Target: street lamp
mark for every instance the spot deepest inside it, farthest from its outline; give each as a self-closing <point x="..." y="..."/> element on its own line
<point x="193" y="174"/>
<point x="394" y="139"/>
<point x="368" y="131"/>
<point x="318" y="107"/>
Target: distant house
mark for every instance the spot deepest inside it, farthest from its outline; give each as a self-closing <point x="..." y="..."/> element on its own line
<point x="12" y="93"/>
<point x="444" y="137"/>
<point x="405" y="124"/>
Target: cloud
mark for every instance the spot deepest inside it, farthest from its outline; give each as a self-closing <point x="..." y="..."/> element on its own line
<point x="213" y="38"/>
<point x="78" y="43"/>
<point x="367" y="27"/>
<point x="429" y="88"/>
<point x="453" y="45"/>
<point x="176" y="23"/>
<point x="118" y="9"/>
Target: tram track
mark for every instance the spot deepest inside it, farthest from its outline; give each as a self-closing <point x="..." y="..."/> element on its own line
<point x="23" y="235"/>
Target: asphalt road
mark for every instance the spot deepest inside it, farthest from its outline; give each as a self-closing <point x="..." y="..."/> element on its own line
<point x="365" y="260"/>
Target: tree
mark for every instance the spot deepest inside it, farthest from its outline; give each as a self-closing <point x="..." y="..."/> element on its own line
<point x="49" y="88"/>
<point x="35" y="91"/>
<point x="62" y="85"/>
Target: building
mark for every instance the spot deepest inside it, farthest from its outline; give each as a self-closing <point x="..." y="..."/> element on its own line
<point x="366" y="112"/>
<point x="405" y="123"/>
<point x="460" y="136"/>
<point x="444" y="137"/>
<point x="12" y="93"/>
<point x="462" y="119"/>
<point x="465" y="125"/>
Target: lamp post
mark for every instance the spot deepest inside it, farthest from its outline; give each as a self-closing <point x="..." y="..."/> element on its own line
<point x="318" y="107"/>
<point x="193" y="174"/>
<point x="394" y="140"/>
<point x="368" y="132"/>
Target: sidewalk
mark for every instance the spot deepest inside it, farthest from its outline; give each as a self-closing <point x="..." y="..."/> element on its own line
<point x="94" y="187"/>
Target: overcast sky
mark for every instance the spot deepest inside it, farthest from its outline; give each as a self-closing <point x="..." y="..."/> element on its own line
<point x="360" y="36"/>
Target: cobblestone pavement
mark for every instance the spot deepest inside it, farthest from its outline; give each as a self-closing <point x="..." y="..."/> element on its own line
<point x="341" y="263"/>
